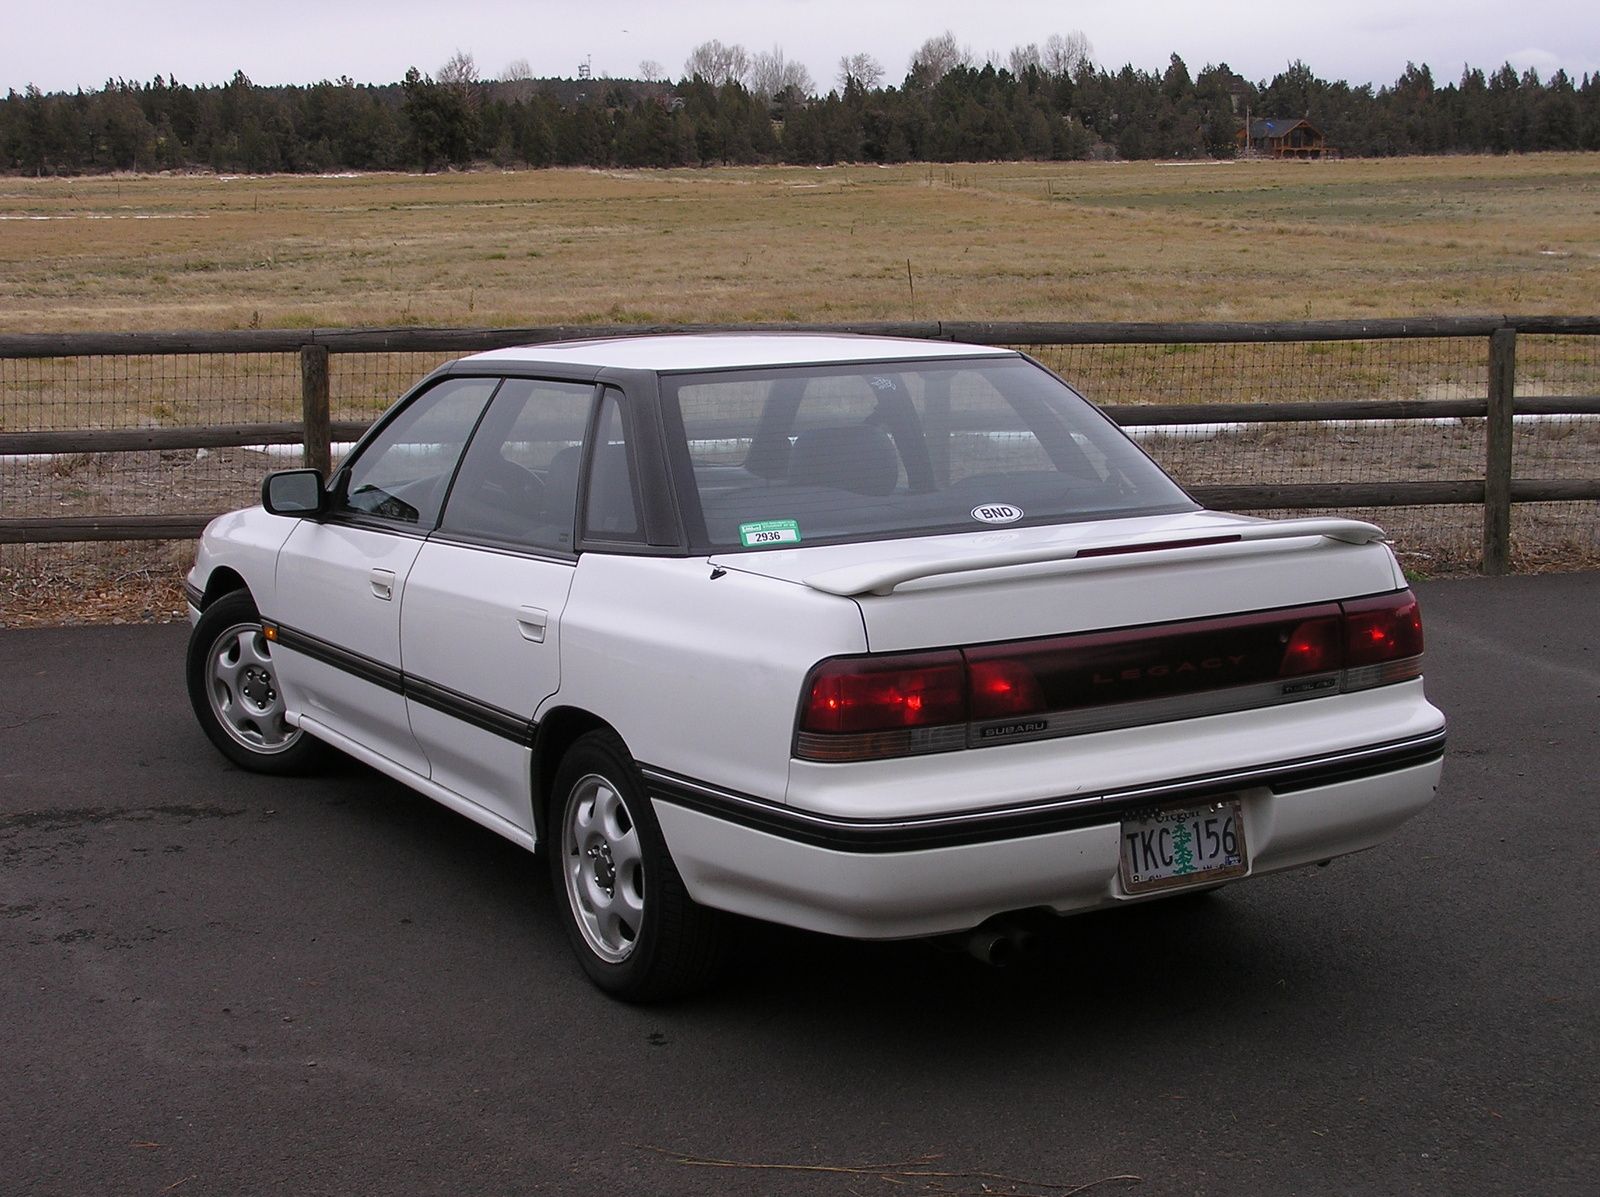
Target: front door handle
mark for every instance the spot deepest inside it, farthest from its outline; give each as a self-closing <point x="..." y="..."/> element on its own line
<point x="531" y="622"/>
<point x="382" y="584"/>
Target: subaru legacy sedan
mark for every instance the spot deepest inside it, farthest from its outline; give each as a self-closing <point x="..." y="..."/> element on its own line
<point x="878" y="638"/>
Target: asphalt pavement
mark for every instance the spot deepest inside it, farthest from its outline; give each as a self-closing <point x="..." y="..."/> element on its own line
<point x="218" y="983"/>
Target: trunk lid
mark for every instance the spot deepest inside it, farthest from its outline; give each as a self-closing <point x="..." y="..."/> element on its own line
<point x="983" y="587"/>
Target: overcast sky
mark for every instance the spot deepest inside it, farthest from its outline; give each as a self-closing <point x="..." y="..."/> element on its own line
<point x="80" y="43"/>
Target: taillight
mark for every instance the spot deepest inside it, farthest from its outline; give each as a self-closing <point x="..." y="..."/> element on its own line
<point x="870" y="707"/>
<point x="1313" y="647"/>
<point x="857" y="695"/>
<point x="1002" y="687"/>
<point x="1382" y="640"/>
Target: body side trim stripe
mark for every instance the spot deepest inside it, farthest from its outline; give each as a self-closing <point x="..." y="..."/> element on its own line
<point x="506" y="724"/>
<point x="386" y="677"/>
<point x="482" y="715"/>
<point x="1063" y="814"/>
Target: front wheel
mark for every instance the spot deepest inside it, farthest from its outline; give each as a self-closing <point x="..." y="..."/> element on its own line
<point x="636" y="931"/>
<point x="233" y="687"/>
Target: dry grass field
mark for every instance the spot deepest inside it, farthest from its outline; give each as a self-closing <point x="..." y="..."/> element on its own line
<point x="1018" y="241"/>
<point x="1070" y="241"/>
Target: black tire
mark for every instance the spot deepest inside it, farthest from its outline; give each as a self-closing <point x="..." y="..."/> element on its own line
<point x="631" y="922"/>
<point x="234" y="691"/>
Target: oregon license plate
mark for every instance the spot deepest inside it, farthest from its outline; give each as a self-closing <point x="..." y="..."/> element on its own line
<point x="1187" y="845"/>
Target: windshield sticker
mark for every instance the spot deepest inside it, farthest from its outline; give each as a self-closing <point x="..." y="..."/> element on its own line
<point x="769" y="532"/>
<point x="882" y="382"/>
<point x="997" y="513"/>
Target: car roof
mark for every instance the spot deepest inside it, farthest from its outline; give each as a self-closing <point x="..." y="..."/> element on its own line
<point x="719" y="351"/>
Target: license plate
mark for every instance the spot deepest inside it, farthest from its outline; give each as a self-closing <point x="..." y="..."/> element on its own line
<point x="1186" y="845"/>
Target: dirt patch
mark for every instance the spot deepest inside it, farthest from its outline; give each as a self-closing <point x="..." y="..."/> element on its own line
<point x="55" y="584"/>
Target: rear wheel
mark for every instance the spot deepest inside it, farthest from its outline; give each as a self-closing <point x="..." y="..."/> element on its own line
<point x="636" y="931"/>
<point x="233" y="687"/>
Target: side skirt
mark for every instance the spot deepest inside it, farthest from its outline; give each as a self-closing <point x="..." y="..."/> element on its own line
<point x="423" y="786"/>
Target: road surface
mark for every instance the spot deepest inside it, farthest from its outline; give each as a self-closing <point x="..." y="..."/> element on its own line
<point x="216" y="983"/>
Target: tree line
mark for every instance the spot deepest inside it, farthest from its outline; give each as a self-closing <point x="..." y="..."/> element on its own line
<point x="732" y="107"/>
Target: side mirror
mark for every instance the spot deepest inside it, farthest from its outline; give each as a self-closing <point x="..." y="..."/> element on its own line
<point x="294" y="493"/>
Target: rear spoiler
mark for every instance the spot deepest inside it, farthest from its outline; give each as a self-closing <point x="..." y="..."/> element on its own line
<point x="883" y="576"/>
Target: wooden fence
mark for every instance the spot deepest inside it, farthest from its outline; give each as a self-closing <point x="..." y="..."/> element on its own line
<point x="1497" y="490"/>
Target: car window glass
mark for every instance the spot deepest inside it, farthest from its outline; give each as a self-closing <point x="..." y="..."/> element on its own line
<point x="403" y="473"/>
<point x="792" y="455"/>
<point x="519" y="480"/>
<point x="984" y="434"/>
<point x="613" y="509"/>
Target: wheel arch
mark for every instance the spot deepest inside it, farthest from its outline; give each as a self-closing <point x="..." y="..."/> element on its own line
<point x="223" y="580"/>
<point x="557" y="732"/>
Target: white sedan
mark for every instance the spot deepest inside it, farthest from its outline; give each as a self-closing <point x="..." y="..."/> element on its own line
<point x="879" y="638"/>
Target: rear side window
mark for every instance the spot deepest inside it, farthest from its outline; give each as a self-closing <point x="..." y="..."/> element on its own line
<point x="612" y="512"/>
<point x="789" y="456"/>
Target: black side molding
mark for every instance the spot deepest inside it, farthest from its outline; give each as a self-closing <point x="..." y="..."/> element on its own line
<point x="506" y="724"/>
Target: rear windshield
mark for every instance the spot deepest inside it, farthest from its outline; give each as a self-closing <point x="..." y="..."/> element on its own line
<point x="798" y="455"/>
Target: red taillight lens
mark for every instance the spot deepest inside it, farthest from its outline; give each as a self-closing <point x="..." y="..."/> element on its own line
<point x="854" y="695"/>
<point x="1002" y="687"/>
<point x="1313" y="647"/>
<point x="872" y="708"/>
<point x="1386" y="628"/>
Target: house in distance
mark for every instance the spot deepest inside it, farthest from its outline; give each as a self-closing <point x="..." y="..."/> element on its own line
<point x="1284" y="137"/>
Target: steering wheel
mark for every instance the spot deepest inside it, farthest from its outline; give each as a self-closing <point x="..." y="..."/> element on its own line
<point x="506" y="484"/>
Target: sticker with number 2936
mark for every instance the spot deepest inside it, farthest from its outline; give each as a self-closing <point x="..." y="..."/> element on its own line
<point x="769" y="532"/>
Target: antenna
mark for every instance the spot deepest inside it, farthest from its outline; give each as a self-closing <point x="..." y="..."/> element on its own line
<point x="585" y="70"/>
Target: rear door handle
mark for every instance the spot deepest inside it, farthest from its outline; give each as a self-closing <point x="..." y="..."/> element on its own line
<point x="382" y="584"/>
<point x="531" y="622"/>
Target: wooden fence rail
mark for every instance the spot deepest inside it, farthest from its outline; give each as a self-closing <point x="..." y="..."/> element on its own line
<point x="1497" y="491"/>
<point x="1038" y="332"/>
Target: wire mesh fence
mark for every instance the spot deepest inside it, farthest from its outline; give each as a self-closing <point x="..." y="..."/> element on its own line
<point x="1274" y="371"/>
<point x="197" y="390"/>
<point x="1444" y="538"/>
<point x="362" y="385"/>
<point x="1557" y="446"/>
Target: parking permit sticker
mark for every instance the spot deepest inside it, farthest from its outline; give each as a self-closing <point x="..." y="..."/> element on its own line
<point x="769" y="532"/>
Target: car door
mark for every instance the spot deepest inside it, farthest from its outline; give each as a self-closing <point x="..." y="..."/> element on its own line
<point x="341" y="579"/>
<point x="480" y="627"/>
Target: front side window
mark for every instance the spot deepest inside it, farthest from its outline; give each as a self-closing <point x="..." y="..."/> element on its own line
<point x="518" y="483"/>
<point x="402" y="474"/>
<point x="795" y="455"/>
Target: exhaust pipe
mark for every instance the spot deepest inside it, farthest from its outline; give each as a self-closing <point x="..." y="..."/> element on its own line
<point x="998" y="943"/>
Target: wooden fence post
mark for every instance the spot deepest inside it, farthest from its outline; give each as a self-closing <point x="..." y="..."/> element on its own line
<point x="1498" y="463"/>
<point x="315" y="407"/>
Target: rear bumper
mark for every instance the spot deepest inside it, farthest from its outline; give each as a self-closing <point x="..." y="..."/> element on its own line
<point x="887" y="879"/>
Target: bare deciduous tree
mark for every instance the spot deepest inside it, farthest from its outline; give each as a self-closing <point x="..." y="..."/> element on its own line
<point x="1067" y="55"/>
<point x="1023" y="57"/>
<point x="865" y="71"/>
<point x="517" y="70"/>
<point x="771" y="74"/>
<point x="938" y="56"/>
<point x="651" y="71"/>
<point x="718" y="64"/>
<point x="459" y="72"/>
